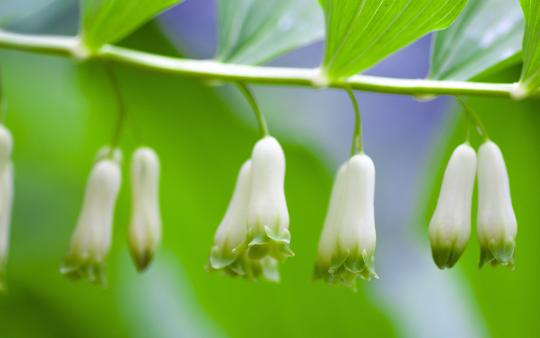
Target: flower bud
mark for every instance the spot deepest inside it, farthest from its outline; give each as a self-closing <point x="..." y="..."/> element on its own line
<point x="91" y="240"/>
<point x="450" y="226"/>
<point x="6" y="198"/>
<point x="145" y="226"/>
<point x="268" y="217"/>
<point x="497" y="224"/>
<point x="347" y="246"/>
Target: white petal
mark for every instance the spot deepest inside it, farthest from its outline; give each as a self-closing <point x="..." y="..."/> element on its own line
<point x="232" y="230"/>
<point x="268" y="207"/>
<point x="329" y="237"/>
<point x="358" y="218"/>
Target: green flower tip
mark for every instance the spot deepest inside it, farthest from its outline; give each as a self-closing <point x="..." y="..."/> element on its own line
<point x="272" y="243"/>
<point x="498" y="253"/>
<point x="258" y="260"/>
<point x="237" y="263"/>
<point x="346" y="269"/>
<point x="142" y="258"/>
<point x="77" y="268"/>
<point x="446" y="254"/>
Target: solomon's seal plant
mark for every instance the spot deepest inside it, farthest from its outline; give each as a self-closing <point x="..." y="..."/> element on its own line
<point x="450" y="226"/>
<point x="253" y="237"/>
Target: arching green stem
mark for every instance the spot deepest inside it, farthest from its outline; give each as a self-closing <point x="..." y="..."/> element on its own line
<point x="473" y="118"/>
<point x="356" y="145"/>
<point x="263" y="126"/>
<point x="121" y="107"/>
<point x="214" y="70"/>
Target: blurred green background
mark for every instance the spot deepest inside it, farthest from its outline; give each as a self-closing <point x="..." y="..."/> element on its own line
<point x="61" y="112"/>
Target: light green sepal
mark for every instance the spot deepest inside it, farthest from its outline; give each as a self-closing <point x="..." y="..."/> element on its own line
<point x="346" y="268"/>
<point x="498" y="253"/>
<point x="238" y="264"/>
<point x="272" y="243"/>
<point x="221" y="257"/>
<point x="78" y="268"/>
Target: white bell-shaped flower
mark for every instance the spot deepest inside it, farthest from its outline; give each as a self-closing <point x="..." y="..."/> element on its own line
<point x="497" y="224"/>
<point x="268" y="217"/>
<point x="347" y="246"/>
<point x="6" y="198"/>
<point x="145" y="226"/>
<point x="253" y="236"/>
<point x="450" y="226"/>
<point x="230" y="238"/>
<point x="91" y="240"/>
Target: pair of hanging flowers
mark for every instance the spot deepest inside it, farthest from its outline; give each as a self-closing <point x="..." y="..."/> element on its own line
<point x="254" y="236"/>
<point x="450" y="226"/>
<point x="91" y="240"/>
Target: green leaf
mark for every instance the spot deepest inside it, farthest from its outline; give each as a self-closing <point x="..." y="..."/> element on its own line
<point x="360" y="33"/>
<point x="107" y="21"/>
<point x="487" y="36"/>
<point x="530" y="75"/>
<point x="255" y="31"/>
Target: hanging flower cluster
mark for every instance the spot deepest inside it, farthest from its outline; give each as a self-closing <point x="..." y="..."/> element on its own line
<point x="450" y="226"/>
<point x="91" y="240"/>
<point x="6" y="197"/>
<point x="254" y="236"/>
<point x="347" y="245"/>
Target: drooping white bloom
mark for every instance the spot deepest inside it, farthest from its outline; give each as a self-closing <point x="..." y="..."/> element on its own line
<point x="497" y="224"/>
<point x="450" y="226"/>
<point x="230" y="238"/>
<point x="6" y="198"/>
<point x="253" y="236"/>
<point x="347" y="245"/>
<point x="91" y="240"/>
<point x="268" y="217"/>
<point x="145" y="226"/>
